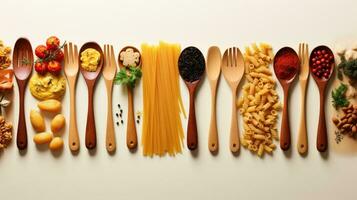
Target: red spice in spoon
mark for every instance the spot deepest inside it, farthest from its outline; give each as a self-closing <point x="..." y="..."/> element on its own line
<point x="286" y="65"/>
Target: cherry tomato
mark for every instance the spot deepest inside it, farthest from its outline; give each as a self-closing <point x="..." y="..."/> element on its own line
<point x="41" y="51"/>
<point x="41" y="67"/>
<point x="52" y="43"/>
<point x="54" y="67"/>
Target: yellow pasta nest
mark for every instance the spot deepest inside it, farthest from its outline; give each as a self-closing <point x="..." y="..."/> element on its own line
<point x="260" y="102"/>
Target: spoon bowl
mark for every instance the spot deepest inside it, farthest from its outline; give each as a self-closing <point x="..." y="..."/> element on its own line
<point x="316" y="78"/>
<point x="321" y="142"/>
<point x="23" y="59"/>
<point x="120" y="62"/>
<point x="90" y="76"/>
<point x="22" y="64"/>
<point x="280" y="53"/>
<point x="285" y="78"/>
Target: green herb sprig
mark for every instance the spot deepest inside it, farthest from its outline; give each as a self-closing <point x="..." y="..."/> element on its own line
<point x="349" y="68"/>
<point x="339" y="96"/>
<point x="128" y="76"/>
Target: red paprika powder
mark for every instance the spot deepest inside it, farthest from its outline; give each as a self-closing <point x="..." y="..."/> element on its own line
<point x="286" y="64"/>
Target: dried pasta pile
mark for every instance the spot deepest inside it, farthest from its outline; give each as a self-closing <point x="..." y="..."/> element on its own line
<point x="259" y="103"/>
<point x="162" y="130"/>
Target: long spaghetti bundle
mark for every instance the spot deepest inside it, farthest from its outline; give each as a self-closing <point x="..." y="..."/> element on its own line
<point x="162" y="130"/>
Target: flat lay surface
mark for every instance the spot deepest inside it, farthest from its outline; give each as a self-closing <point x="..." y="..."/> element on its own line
<point x="39" y="173"/>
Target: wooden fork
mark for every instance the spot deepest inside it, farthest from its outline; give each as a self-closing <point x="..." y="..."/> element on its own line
<point x="71" y="71"/>
<point x="109" y="71"/>
<point x="303" y="79"/>
<point x="233" y="69"/>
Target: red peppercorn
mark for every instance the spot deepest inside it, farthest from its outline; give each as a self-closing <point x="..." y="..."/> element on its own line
<point x="322" y="60"/>
<point x="318" y="52"/>
<point x="323" y="51"/>
<point x="318" y="62"/>
<point x="326" y="56"/>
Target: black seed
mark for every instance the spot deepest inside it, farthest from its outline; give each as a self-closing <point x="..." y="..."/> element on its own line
<point x="138" y="121"/>
<point x="120" y="115"/>
<point x="138" y="116"/>
<point x="122" y="122"/>
<point x="117" y="123"/>
<point x="121" y="111"/>
<point x="117" y="114"/>
<point x="191" y="64"/>
<point x="118" y="105"/>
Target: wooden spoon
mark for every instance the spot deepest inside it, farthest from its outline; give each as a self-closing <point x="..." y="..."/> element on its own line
<point x="71" y="70"/>
<point x="131" y="135"/>
<point x="233" y="69"/>
<point x="22" y="64"/>
<point x="192" y="137"/>
<point x="285" y="137"/>
<point x="213" y="69"/>
<point x="322" y="142"/>
<point x="90" y="78"/>
<point x="109" y="71"/>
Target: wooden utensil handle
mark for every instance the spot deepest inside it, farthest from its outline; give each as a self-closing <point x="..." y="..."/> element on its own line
<point x="321" y="142"/>
<point x="213" y="134"/>
<point x="192" y="138"/>
<point x="21" y="139"/>
<point x="234" y="134"/>
<point x="285" y="138"/>
<point x="110" y="137"/>
<point x="302" y="138"/>
<point x="131" y="136"/>
<point x="91" y="138"/>
<point x="73" y="139"/>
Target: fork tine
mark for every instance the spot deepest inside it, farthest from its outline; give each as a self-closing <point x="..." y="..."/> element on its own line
<point x="108" y="56"/>
<point x="113" y="57"/>
<point x="105" y="56"/>
<point x="230" y="57"/>
<point x="75" y="54"/>
<point x="235" y="56"/>
<point x="65" y="52"/>
<point x="71" y="60"/>
<point x="306" y="53"/>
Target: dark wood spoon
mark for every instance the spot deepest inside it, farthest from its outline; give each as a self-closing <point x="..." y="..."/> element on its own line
<point x="22" y="64"/>
<point x="285" y="137"/>
<point x="321" y="142"/>
<point x="90" y="78"/>
<point x="184" y="61"/>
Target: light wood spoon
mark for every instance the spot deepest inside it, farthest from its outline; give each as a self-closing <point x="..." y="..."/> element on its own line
<point x="285" y="137"/>
<point x="109" y="71"/>
<point x="233" y="70"/>
<point x="71" y="71"/>
<point x="213" y="70"/>
<point x="131" y="135"/>
<point x="22" y="64"/>
<point x="90" y="78"/>
<point x="303" y="78"/>
<point x="321" y="142"/>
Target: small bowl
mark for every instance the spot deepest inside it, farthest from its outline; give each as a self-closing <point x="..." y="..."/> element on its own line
<point x="124" y="49"/>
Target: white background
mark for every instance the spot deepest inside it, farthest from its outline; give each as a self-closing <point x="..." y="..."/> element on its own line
<point x="39" y="174"/>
